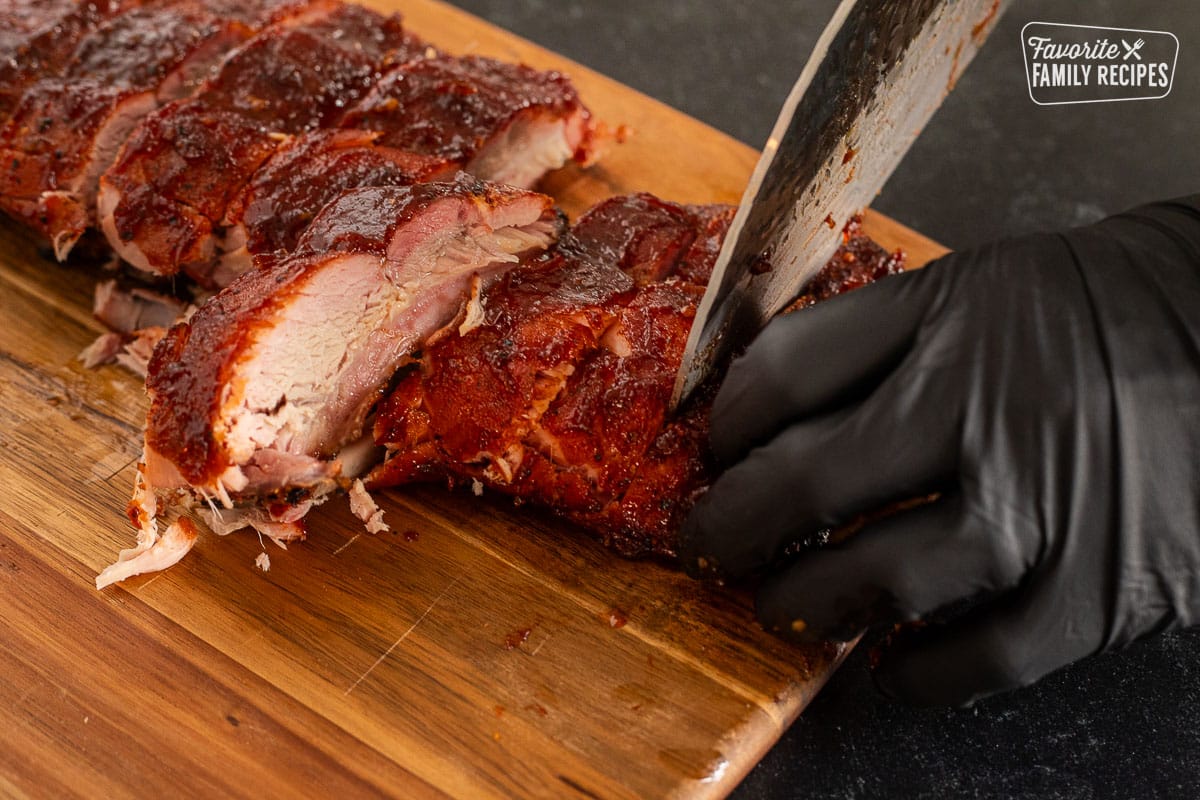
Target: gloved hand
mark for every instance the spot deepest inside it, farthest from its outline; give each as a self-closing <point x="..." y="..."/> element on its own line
<point x="1048" y="387"/>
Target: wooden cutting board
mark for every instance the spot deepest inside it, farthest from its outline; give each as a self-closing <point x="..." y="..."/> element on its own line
<point x="477" y="651"/>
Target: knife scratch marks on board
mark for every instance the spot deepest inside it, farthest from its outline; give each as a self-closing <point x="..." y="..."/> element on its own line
<point x="126" y="465"/>
<point x="256" y="635"/>
<point x="146" y="585"/>
<point x="28" y="691"/>
<point x="540" y="646"/>
<point x="403" y="636"/>
<point x="349" y="542"/>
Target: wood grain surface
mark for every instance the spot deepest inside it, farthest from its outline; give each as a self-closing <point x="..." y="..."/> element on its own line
<point x="470" y="653"/>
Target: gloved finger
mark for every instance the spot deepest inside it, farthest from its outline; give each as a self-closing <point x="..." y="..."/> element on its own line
<point x="896" y="569"/>
<point x="815" y="360"/>
<point x="821" y="474"/>
<point x="1007" y="644"/>
<point x="1169" y="230"/>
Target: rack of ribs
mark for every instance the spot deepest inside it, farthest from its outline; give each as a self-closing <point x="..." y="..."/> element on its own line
<point x="392" y="304"/>
<point x="539" y="368"/>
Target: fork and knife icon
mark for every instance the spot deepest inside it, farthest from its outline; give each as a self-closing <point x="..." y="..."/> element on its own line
<point x="1132" y="49"/>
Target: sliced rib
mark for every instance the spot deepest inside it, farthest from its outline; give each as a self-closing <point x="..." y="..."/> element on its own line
<point x="265" y="390"/>
<point x="503" y="122"/>
<point x="53" y="148"/>
<point x="41" y="39"/>
<point x="168" y="49"/>
<point x="66" y="130"/>
<point x="304" y="175"/>
<point x="161" y="204"/>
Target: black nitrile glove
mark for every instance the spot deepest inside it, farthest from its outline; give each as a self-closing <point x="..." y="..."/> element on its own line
<point x="1048" y="387"/>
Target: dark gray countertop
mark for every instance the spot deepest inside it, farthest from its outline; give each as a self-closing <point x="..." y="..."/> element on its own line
<point x="990" y="164"/>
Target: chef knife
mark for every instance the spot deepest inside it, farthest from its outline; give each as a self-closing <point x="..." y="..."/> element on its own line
<point x="879" y="71"/>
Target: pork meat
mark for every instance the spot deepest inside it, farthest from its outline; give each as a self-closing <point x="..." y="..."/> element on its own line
<point x="559" y="393"/>
<point x="266" y="389"/>
<point x="162" y="202"/>
<point x="502" y="122"/>
<point x="304" y="175"/>
<point x="65" y="130"/>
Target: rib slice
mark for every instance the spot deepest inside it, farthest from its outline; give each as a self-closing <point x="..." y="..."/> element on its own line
<point x="559" y="394"/>
<point x="266" y="389"/>
<point x="162" y="202"/>
<point x="304" y="175"/>
<point x="39" y="37"/>
<point x="166" y="48"/>
<point x="53" y="148"/>
<point x="502" y="122"/>
<point x="303" y="76"/>
<point x="425" y="119"/>
<point x="66" y="130"/>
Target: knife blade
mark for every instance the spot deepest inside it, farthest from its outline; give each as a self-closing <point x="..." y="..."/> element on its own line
<point x="877" y="74"/>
